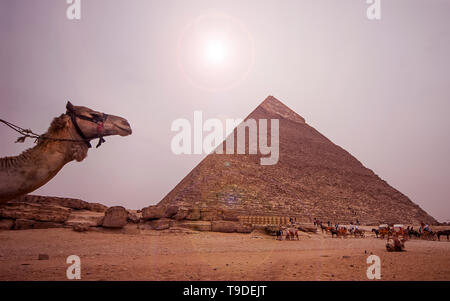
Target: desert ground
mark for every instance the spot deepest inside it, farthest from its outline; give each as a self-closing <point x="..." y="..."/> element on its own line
<point x="182" y="254"/>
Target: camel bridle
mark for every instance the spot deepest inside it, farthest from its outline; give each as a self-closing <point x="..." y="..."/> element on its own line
<point x="99" y="120"/>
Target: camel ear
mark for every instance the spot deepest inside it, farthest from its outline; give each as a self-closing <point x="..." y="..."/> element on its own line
<point x="69" y="106"/>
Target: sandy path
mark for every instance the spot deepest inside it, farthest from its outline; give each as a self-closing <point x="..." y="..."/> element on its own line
<point x="189" y="255"/>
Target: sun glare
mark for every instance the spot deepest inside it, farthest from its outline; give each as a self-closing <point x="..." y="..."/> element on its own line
<point x="215" y="51"/>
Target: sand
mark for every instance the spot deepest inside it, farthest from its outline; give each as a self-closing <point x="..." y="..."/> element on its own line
<point x="180" y="254"/>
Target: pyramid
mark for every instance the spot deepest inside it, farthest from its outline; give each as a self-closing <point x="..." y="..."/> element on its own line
<point x="314" y="178"/>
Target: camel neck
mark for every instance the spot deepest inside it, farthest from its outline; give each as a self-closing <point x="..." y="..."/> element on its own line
<point x="38" y="165"/>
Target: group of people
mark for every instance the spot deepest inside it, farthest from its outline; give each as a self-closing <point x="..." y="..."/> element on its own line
<point x="424" y="227"/>
<point x="353" y="225"/>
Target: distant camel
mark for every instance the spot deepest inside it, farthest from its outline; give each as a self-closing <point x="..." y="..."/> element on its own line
<point x="67" y="139"/>
<point x="283" y="234"/>
<point x="376" y="232"/>
<point x="334" y="232"/>
<point x="414" y="233"/>
<point x="325" y="229"/>
<point x="429" y="235"/>
<point x="443" y="233"/>
<point x="341" y="232"/>
<point x="293" y="234"/>
<point x="358" y="232"/>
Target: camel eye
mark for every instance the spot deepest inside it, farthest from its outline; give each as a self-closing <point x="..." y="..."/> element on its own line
<point x="86" y="115"/>
<point x="95" y="115"/>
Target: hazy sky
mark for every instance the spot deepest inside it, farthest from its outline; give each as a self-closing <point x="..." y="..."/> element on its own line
<point x="379" y="89"/>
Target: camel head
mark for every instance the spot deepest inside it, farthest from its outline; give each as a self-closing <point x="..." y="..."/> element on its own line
<point x="93" y="124"/>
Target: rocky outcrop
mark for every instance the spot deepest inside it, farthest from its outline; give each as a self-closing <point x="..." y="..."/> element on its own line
<point x="181" y="214"/>
<point x="194" y="225"/>
<point x="158" y="224"/>
<point x="80" y="228"/>
<point x="63" y="202"/>
<point x="170" y="211"/>
<point x="26" y="224"/>
<point x="193" y="214"/>
<point x="40" y="212"/>
<point x="37" y="212"/>
<point x="85" y="218"/>
<point x="97" y="207"/>
<point x="208" y="214"/>
<point x="115" y="217"/>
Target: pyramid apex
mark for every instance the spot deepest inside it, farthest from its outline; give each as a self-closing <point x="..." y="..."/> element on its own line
<point x="271" y="98"/>
<point x="273" y="105"/>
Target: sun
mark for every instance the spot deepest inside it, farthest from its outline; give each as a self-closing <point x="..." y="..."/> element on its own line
<point x="215" y="51"/>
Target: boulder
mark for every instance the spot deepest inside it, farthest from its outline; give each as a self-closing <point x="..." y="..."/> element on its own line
<point x="159" y="224"/>
<point x="85" y="217"/>
<point x="170" y="211"/>
<point x="152" y="212"/>
<point x="37" y="212"/>
<point x="26" y="224"/>
<point x="6" y="224"/>
<point x="193" y="214"/>
<point x="115" y="217"/>
<point x="230" y="227"/>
